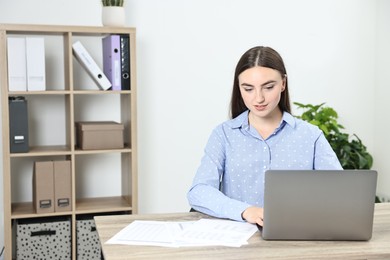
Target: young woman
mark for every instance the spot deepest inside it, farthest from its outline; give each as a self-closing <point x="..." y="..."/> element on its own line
<point x="261" y="135"/>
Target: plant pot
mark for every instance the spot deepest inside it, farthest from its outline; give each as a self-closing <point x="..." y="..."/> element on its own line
<point x="113" y="16"/>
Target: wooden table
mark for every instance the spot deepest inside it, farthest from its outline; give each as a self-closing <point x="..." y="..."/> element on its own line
<point x="377" y="248"/>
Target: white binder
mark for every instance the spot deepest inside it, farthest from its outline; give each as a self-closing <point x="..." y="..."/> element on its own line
<point x="35" y="53"/>
<point x="16" y="52"/>
<point x="90" y="65"/>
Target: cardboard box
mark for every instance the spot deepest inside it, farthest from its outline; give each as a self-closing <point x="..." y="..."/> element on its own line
<point x="43" y="187"/>
<point x="52" y="186"/>
<point x="62" y="186"/>
<point x="99" y="135"/>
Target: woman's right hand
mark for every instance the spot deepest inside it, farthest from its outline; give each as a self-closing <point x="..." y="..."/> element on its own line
<point x="253" y="215"/>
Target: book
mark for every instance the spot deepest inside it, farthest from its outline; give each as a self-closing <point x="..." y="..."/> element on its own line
<point x="17" y="69"/>
<point x="35" y="57"/>
<point x="125" y="61"/>
<point x="89" y="64"/>
<point x="112" y="60"/>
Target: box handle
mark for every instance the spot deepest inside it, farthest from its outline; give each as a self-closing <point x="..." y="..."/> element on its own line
<point x="63" y="202"/>
<point x="43" y="233"/>
<point x="43" y="204"/>
<point x="93" y="229"/>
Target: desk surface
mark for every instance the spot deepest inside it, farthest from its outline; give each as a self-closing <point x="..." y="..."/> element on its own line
<point x="377" y="248"/>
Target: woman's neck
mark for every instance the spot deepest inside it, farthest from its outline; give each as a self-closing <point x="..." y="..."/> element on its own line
<point x="265" y="126"/>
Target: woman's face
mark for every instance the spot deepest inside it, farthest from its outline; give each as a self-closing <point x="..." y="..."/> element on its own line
<point x="261" y="89"/>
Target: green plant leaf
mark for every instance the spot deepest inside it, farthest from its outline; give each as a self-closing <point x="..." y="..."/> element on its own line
<point x="112" y="2"/>
<point x="350" y="150"/>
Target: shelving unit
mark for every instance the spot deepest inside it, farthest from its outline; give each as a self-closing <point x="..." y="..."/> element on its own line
<point x="70" y="96"/>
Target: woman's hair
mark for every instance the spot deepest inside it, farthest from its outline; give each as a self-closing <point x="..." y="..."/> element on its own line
<point x="262" y="57"/>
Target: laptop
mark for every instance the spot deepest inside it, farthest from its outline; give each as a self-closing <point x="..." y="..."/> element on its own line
<point x="319" y="204"/>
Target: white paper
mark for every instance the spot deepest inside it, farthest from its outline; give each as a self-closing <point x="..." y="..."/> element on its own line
<point x="218" y="232"/>
<point x="157" y="233"/>
<point x="204" y="232"/>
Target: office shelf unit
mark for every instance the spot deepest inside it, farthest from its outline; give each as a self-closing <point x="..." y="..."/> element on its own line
<point x="70" y="96"/>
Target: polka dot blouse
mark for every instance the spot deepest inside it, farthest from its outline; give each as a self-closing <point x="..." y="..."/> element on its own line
<point x="236" y="158"/>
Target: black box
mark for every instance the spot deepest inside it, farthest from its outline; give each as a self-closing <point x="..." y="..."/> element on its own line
<point x="18" y="125"/>
<point x="44" y="238"/>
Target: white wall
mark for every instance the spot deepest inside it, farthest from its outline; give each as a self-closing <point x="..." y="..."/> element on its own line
<point x="382" y="94"/>
<point x="186" y="54"/>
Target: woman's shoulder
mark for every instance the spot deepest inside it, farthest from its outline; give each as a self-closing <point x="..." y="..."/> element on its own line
<point x="236" y="122"/>
<point x="231" y="125"/>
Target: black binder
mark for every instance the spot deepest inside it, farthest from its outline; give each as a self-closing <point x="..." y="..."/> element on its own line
<point x="125" y="61"/>
<point x="18" y="125"/>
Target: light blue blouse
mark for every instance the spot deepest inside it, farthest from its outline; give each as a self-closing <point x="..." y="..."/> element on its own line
<point x="237" y="152"/>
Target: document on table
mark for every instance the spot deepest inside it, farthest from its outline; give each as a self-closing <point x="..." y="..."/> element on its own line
<point x="177" y="234"/>
<point x="157" y="233"/>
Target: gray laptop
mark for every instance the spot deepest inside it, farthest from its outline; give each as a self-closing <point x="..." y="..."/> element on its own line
<point x="319" y="204"/>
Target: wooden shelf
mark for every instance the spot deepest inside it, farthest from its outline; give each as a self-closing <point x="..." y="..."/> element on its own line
<point x="124" y="150"/>
<point x="44" y="151"/>
<point x="100" y="92"/>
<point x="74" y="100"/>
<point x="38" y="29"/>
<point x="46" y="92"/>
<point x="83" y="206"/>
<point x="105" y="204"/>
<point x="26" y="210"/>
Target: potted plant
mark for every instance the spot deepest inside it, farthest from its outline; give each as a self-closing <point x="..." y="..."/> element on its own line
<point x="112" y="2"/>
<point x="113" y="13"/>
<point x="350" y="150"/>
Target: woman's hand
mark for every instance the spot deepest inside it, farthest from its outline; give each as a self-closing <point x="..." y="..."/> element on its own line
<point x="253" y="215"/>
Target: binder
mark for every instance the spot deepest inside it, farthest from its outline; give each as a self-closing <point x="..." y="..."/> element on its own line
<point x="112" y="60"/>
<point x="125" y="61"/>
<point x="62" y="186"/>
<point x="18" y="125"/>
<point x="16" y="54"/>
<point x="90" y="65"/>
<point x="35" y="56"/>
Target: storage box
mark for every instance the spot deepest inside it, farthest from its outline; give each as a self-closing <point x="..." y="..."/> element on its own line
<point x="43" y="239"/>
<point x="52" y="186"/>
<point x="43" y="187"/>
<point x="99" y="135"/>
<point x="88" y="243"/>
<point x="62" y="186"/>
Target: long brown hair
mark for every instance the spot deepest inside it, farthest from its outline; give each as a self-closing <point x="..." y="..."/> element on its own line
<point x="263" y="57"/>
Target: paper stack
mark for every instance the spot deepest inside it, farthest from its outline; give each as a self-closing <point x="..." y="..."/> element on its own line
<point x="204" y="232"/>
